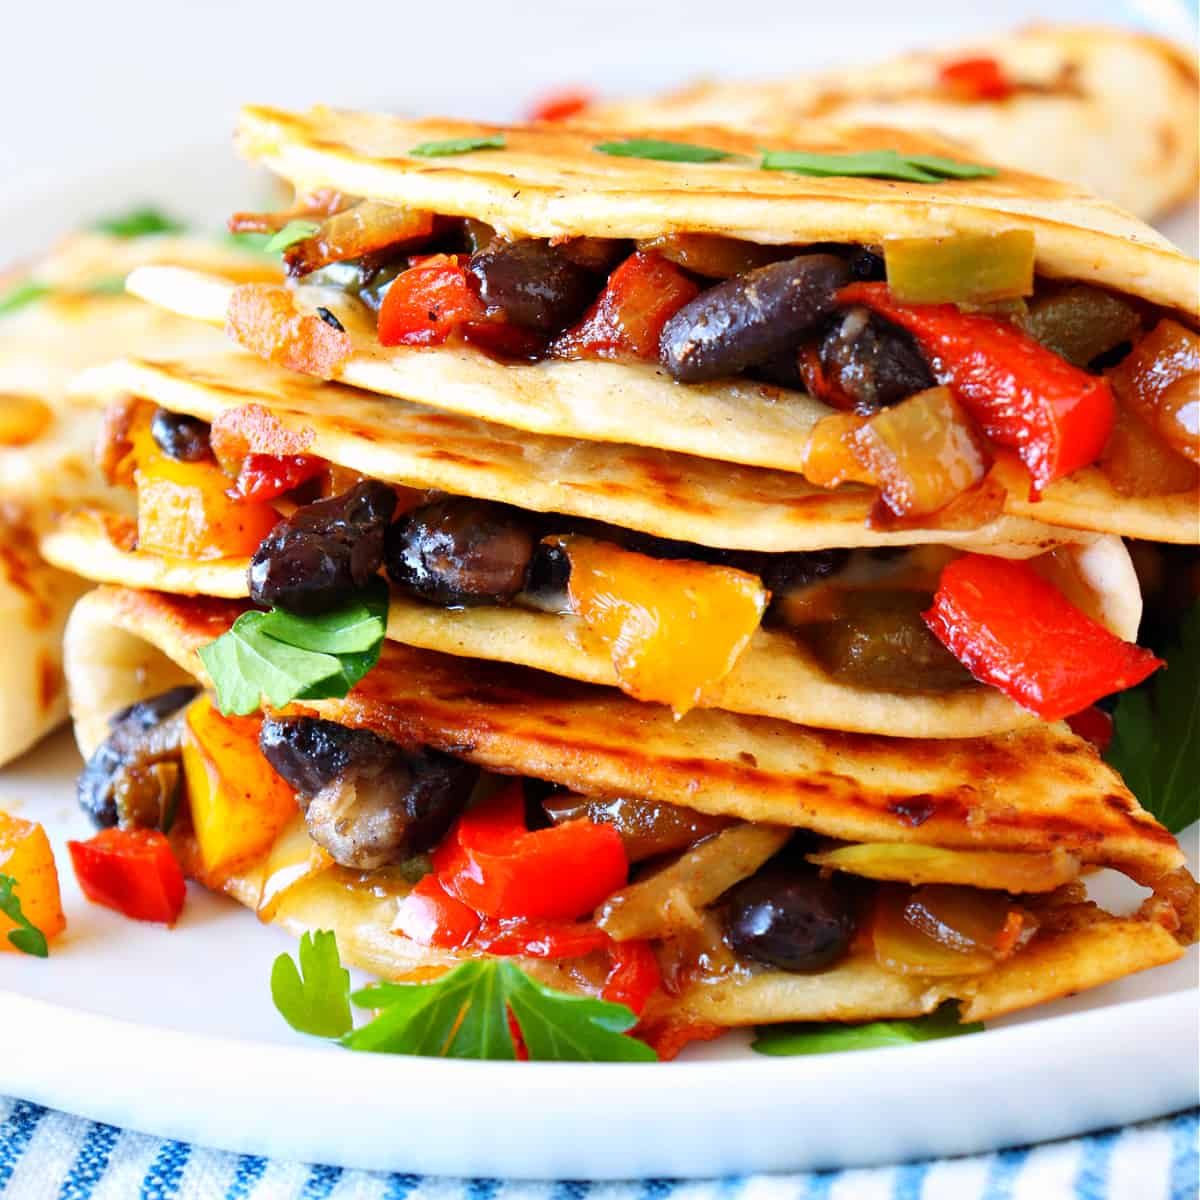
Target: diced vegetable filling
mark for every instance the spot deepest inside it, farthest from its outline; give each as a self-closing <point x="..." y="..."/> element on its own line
<point x="673" y="617"/>
<point x="1062" y="375"/>
<point x="657" y="893"/>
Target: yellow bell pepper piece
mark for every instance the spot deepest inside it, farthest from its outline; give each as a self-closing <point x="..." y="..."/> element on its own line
<point x="674" y="629"/>
<point x="26" y="857"/>
<point x="238" y="803"/>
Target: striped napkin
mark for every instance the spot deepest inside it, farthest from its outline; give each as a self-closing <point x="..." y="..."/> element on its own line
<point x="48" y="1155"/>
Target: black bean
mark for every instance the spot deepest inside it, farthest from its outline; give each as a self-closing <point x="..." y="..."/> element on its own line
<point x="137" y="741"/>
<point x="873" y="361"/>
<point x="330" y="319"/>
<point x="310" y="753"/>
<point x="367" y="801"/>
<point x="790" y="917"/>
<point x="785" y="571"/>
<point x="866" y="265"/>
<point x="751" y="318"/>
<point x="179" y="436"/>
<point x="547" y="578"/>
<point x="459" y="551"/>
<point x="315" y="559"/>
<point x="535" y="285"/>
<point x="783" y="370"/>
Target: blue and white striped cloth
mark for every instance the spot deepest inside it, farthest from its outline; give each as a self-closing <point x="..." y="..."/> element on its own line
<point x="48" y="1155"/>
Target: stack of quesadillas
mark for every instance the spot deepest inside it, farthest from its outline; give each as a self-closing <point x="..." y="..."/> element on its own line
<point x="746" y="528"/>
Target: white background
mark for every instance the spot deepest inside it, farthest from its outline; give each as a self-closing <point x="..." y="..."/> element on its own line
<point x="91" y="89"/>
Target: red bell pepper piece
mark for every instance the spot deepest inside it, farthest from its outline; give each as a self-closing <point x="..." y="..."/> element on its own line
<point x="490" y="861"/>
<point x="432" y="917"/>
<point x="627" y="319"/>
<point x="132" y="871"/>
<point x="1093" y="725"/>
<point x="429" y="302"/>
<point x="1011" y="628"/>
<point x="264" y="476"/>
<point x="634" y="976"/>
<point x="541" y="939"/>
<point x="977" y="79"/>
<point x="1054" y="415"/>
<point x="560" y="104"/>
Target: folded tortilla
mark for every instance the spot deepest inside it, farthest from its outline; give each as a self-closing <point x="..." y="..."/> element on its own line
<point x="775" y="676"/>
<point x="655" y="492"/>
<point x="47" y="462"/>
<point x="1040" y="790"/>
<point x="738" y="421"/>
<point x="1109" y="109"/>
<point x="549" y="181"/>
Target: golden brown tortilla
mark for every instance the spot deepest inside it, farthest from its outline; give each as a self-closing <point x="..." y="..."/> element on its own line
<point x="1111" y="110"/>
<point x="670" y="495"/>
<point x="1038" y="789"/>
<point x="775" y="676"/>
<point x="549" y="181"/>
<point x="123" y="645"/>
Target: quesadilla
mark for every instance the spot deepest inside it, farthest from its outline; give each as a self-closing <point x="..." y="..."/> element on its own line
<point x="66" y="312"/>
<point x="857" y="306"/>
<point x="1111" y="110"/>
<point x="734" y="588"/>
<point x="753" y="870"/>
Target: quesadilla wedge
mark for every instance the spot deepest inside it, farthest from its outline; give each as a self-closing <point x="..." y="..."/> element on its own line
<point x="801" y="308"/>
<point x="522" y="548"/>
<point x="1111" y="110"/>
<point x="650" y="839"/>
<point x="69" y="311"/>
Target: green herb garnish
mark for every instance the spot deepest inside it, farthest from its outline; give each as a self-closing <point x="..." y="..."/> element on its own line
<point x="448" y="146"/>
<point x="1156" y="734"/>
<point x="29" y="939"/>
<point x="290" y="234"/>
<point x="252" y="243"/>
<point x="661" y="151"/>
<point x="818" y="1037"/>
<point x="874" y="164"/>
<point x="314" y="998"/>
<point x="286" y="657"/>
<point x="138" y="222"/>
<point x="21" y="294"/>
<point x="463" y="1014"/>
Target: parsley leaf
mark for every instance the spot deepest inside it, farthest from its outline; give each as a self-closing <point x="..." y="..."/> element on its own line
<point x="1156" y="734"/>
<point x="138" y="222"/>
<point x="29" y="939"/>
<point x="663" y="151"/>
<point x="286" y="657"/>
<point x="874" y="164"/>
<point x="252" y="243"/>
<point x="819" y="1037"/>
<point x="290" y="234"/>
<point x="464" y="1014"/>
<point x="318" y="1003"/>
<point x="448" y="146"/>
<point x="21" y="294"/>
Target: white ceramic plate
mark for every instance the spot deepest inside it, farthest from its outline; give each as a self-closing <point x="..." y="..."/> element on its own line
<point x="174" y="1033"/>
